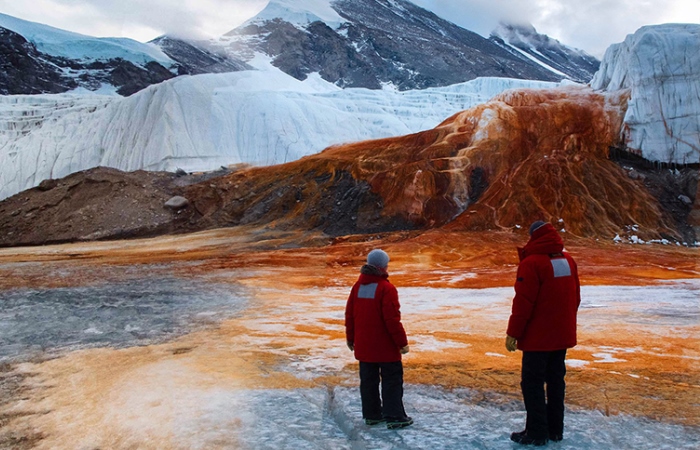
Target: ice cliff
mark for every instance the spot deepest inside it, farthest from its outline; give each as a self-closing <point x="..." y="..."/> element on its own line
<point x="660" y="65"/>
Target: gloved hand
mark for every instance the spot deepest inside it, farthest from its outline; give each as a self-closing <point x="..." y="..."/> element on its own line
<point x="404" y="350"/>
<point x="351" y="346"/>
<point x="511" y="343"/>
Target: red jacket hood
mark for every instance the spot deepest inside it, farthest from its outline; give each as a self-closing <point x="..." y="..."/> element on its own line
<point x="371" y="274"/>
<point x="544" y="241"/>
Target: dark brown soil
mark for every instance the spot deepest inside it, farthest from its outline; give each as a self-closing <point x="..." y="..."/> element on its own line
<point x="108" y="204"/>
<point x="97" y="204"/>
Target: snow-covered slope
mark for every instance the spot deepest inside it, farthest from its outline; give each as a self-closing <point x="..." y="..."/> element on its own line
<point x="571" y="63"/>
<point x="203" y="122"/>
<point x="660" y="65"/>
<point x="66" y="44"/>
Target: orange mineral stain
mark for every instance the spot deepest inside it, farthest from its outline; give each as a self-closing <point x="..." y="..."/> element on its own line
<point x="292" y="334"/>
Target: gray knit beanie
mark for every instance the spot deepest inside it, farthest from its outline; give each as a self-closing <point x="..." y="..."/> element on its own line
<point x="378" y="258"/>
<point x="536" y="225"/>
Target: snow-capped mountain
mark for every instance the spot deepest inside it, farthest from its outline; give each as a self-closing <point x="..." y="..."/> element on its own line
<point x="74" y="46"/>
<point x="24" y="70"/>
<point x="374" y="43"/>
<point x="660" y="66"/>
<point x="569" y="62"/>
<point x="70" y="60"/>
<point x="351" y="43"/>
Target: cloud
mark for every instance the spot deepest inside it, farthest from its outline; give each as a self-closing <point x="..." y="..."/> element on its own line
<point x="592" y="25"/>
<point x="138" y="19"/>
<point x="596" y="24"/>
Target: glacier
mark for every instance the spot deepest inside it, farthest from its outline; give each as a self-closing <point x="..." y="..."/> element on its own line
<point x="660" y="66"/>
<point x="203" y="122"/>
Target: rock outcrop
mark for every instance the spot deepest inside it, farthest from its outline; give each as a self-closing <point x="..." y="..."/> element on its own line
<point x="194" y="60"/>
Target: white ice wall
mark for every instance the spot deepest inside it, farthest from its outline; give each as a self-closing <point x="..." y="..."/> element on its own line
<point x="660" y="65"/>
<point x="202" y="122"/>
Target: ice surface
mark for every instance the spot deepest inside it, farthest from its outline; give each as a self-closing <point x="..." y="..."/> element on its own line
<point x="330" y="418"/>
<point x="601" y="307"/>
<point x="165" y="399"/>
<point x="199" y="123"/>
<point x="448" y="419"/>
<point x="660" y="308"/>
<point x="138" y="312"/>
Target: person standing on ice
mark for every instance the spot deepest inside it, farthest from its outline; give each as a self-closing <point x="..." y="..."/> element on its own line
<point x="543" y="325"/>
<point x="375" y="334"/>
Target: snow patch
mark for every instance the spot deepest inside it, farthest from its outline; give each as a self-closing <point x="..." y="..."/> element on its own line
<point x="576" y="363"/>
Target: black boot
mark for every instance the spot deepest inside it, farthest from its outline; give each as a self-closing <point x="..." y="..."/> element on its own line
<point x="393" y="423"/>
<point x="524" y="439"/>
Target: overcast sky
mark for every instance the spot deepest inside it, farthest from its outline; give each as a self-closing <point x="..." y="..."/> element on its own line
<point x="591" y="25"/>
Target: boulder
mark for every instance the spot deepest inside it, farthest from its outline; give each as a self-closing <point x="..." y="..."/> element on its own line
<point x="176" y="203"/>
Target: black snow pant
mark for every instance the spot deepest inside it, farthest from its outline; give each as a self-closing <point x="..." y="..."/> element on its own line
<point x="391" y="375"/>
<point x="545" y="417"/>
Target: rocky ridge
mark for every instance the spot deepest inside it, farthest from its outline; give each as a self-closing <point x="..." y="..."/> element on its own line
<point x="193" y="60"/>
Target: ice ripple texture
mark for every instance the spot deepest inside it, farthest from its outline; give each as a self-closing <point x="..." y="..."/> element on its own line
<point x="43" y="322"/>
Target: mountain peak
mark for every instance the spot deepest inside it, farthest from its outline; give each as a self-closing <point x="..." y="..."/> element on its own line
<point x="523" y="39"/>
<point x="511" y="32"/>
<point x="298" y="12"/>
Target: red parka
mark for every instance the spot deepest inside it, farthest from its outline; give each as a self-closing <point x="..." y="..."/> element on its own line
<point x="373" y="318"/>
<point x="547" y="295"/>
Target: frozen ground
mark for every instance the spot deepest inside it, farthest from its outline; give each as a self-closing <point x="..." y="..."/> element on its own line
<point x="446" y="420"/>
<point x="180" y="401"/>
<point x="37" y="322"/>
<point x="318" y="419"/>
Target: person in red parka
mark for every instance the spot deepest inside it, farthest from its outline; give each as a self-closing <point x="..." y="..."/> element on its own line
<point x="543" y="325"/>
<point x="375" y="334"/>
